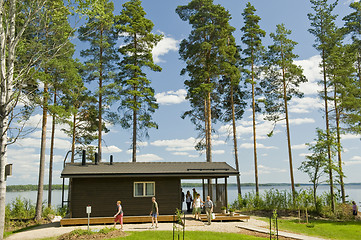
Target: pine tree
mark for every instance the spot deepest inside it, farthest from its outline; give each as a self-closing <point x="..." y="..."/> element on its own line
<point x="101" y="57"/>
<point x="56" y="31"/>
<point x="340" y="71"/>
<point x="281" y="83"/>
<point x="316" y="164"/>
<point x="351" y="100"/>
<point x="204" y="52"/>
<point x="253" y="55"/>
<point x="323" y="28"/>
<point x="137" y="95"/>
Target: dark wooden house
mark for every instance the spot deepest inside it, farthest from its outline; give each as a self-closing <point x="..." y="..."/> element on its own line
<point x="101" y="185"/>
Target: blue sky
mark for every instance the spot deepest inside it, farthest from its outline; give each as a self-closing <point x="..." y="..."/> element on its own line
<point x="175" y="138"/>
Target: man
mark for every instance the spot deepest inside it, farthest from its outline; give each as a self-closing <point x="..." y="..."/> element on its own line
<point x="209" y="209"/>
<point x="154" y="213"/>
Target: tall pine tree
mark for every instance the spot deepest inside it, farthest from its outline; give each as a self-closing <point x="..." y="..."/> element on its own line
<point x="204" y="52"/>
<point x="281" y="83"/>
<point x="101" y="57"/>
<point x="137" y="95"/>
<point x="252" y="60"/>
<point x="323" y="28"/>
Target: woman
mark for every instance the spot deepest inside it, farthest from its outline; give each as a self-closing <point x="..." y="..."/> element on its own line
<point x="197" y="206"/>
<point x="119" y="215"/>
<point x="189" y="200"/>
<point x="354" y="209"/>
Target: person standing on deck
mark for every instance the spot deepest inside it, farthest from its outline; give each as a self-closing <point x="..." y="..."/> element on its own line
<point x="189" y="201"/>
<point x="154" y="213"/>
<point x="182" y="199"/>
<point x="119" y="215"/>
<point x="209" y="209"/>
<point x="197" y="207"/>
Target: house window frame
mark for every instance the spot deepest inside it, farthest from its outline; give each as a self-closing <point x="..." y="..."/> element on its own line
<point x="144" y="189"/>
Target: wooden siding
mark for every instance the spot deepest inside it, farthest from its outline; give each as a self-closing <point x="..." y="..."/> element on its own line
<point x="102" y="193"/>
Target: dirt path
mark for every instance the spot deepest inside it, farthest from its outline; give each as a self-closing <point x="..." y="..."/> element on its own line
<point x="54" y="229"/>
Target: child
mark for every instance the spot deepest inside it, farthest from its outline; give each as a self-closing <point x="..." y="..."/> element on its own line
<point x="119" y="215"/>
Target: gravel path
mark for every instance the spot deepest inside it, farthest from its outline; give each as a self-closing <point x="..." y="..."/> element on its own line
<point x="54" y="229"/>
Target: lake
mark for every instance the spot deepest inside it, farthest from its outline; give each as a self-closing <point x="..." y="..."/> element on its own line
<point x="353" y="191"/>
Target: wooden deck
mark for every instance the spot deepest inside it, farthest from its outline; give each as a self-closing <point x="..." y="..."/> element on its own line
<point x="145" y="219"/>
<point x="109" y="220"/>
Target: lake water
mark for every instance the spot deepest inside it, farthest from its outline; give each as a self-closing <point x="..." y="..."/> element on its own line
<point x="353" y="191"/>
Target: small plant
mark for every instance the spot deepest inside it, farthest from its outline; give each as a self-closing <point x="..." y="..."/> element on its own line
<point x="310" y="225"/>
<point x="223" y="208"/>
<point x="231" y="210"/>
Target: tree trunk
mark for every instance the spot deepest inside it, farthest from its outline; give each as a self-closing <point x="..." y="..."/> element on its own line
<point x="39" y="200"/>
<point x="254" y="132"/>
<point x="339" y="150"/>
<point x="209" y="127"/>
<point x="73" y="139"/>
<point x="134" y="142"/>
<point x="288" y="135"/>
<point x="328" y="131"/>
<point x="100" y="107"/>
<point x="51" y="154"/>
<point x="235" y="141"/>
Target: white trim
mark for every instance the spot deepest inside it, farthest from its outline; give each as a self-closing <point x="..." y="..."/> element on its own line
<point x="144" y="193"/>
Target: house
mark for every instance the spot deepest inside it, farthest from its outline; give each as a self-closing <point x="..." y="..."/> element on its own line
<point x="100" y="185"/>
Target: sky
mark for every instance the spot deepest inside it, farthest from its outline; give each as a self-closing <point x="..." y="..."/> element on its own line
<point x="175" y="138"/>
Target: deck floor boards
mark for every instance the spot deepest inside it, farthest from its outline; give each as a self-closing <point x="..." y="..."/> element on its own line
<point x="144" y="219"/>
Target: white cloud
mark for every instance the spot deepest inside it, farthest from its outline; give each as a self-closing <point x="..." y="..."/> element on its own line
<point x="304" y="154"/>
<point x="312" y="72"/>
<point x="180" y="153"/>
<point x="33" y="142"/>
<point x="305" y="105"/>
<point x="299" y="146"/>
<point x="246" y="128"/>
<point x="148" y="157"/>
<point x="111" y="149"/>
<point x="355" y="160"/>
<point x="267" y="170"/>
<point x="299" y="121"/>
<point x="218" y="152"/>
<point x="350" y="136"/>
<point x="164" y="46"/>
<point x="179" y="145"/>
<point x="259" y="146"/>
<point x="171" y="97"/>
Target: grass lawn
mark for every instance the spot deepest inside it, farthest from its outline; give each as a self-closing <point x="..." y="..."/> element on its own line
<point x="190" y="235"/>
<point x="326" y="229"/>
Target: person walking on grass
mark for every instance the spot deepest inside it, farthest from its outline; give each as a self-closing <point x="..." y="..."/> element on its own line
<point x="119" y="215"/>
<point x="209" y="209"/>
<point x="197" y="206"/>
<point x="154" y="213"/>
<point x="354" y="209"/>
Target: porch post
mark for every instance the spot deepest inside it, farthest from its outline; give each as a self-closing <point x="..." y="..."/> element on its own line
<point x="225" y="187"/>
<point x="203" y="188"/>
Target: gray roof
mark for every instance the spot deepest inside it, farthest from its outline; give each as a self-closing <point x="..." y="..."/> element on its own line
<point x="150" y="169"/>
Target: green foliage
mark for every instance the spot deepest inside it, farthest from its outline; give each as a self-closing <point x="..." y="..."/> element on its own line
<point x="317" y="163"/>
<point x="210" y="53"/>
<point x="282" y="77"/>
<point x="30" y="187"/>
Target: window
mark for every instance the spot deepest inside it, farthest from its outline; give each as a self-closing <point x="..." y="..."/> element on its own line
<point x="144" y="189"/>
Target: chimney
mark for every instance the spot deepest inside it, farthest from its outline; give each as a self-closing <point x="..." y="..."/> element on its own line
<point x="83" y="158"/>
<point x="111" y="159"/>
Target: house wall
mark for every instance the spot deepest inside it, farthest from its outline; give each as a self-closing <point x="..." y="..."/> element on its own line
<point x="102" y="193"/>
